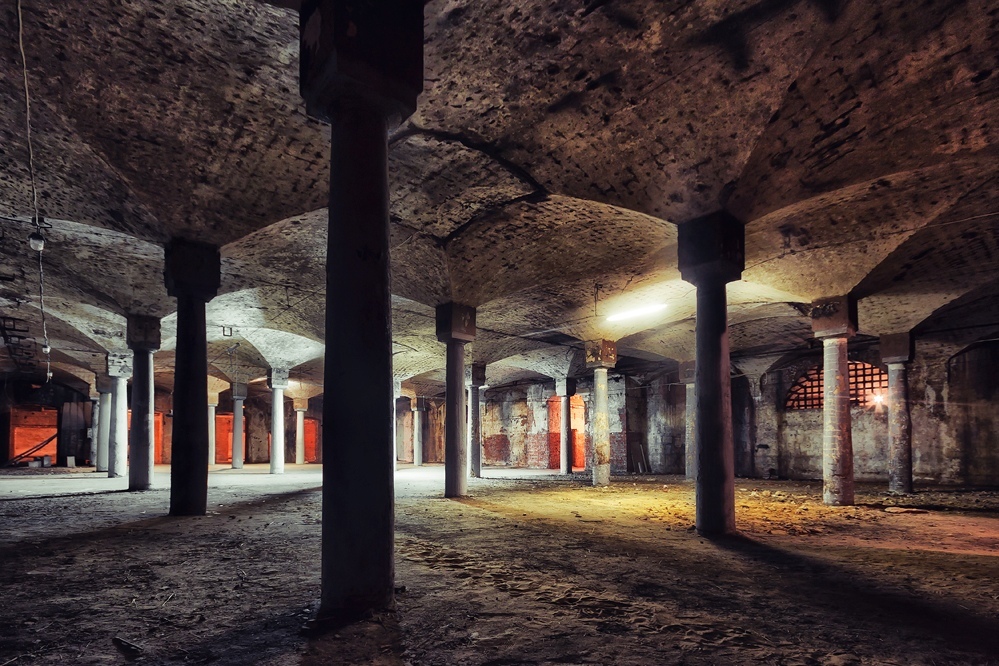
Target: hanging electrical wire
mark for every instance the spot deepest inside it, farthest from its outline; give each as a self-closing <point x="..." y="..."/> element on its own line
<point x="36" y="240"/>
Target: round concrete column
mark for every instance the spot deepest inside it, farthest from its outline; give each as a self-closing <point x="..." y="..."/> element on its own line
<point x="565" y="389"/>
<point x="715" y="456"/>
<point x="474" y="432"/>
<point x="237" y="433"/>
<point x="690" y="434"/>
<point x="899" y="431"/>
<point x="601" y="429"/>
<point x="358" y="519"/>
<point x="118" y="443"/>
<point x="418" y="432"/>
<point x="300" y="436"/>
<point x="192" y="273"/>
<point x="837" y="439"/>
<point x="143" y="449"/>
<point x="95" y="420"/>
<point x="455" y="447"/>
<point x="104" y="432"/>
<point x="565" y="435"/>
<point x="188" y="468"/>
<point x="211" y="433"/>
<point x="277" y="431"/>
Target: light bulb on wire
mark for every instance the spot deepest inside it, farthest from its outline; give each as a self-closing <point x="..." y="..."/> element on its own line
<point x="37" y="241"/>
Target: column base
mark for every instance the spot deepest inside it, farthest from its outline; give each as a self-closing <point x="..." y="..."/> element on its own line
<point x="601" y="475"/>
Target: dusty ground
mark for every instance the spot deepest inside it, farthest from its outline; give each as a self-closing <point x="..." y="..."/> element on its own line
<point x="525" y="572"/>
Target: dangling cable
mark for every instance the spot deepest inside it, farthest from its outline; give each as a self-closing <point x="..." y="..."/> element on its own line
<point x="36" y="218"/>
<point x="27" y="115"/>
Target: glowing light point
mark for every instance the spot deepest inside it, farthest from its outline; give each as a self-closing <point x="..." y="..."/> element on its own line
<point x="637" y="312"/>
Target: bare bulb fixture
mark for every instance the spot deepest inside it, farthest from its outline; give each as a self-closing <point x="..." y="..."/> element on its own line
<point x="46" y="349"/>
<point x="37" y="241"/>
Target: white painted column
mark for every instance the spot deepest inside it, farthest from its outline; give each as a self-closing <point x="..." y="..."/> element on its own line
<point x="118" y="440"/>
<point x="565" y="389"/>
<point x="238" y="395"/>
<point x="211" y="432"/>
<point x="120" y="369"/>
<point x="104" y="426"/>
<point x="278" y="382"/>
<point x="299" y="436"/>
<point x="418" y="408"/>
<point x="95" y="417"/>
<point x="396" y="394"/>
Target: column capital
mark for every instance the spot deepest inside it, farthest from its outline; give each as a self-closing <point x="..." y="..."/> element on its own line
<point x="120" y="364"/>
<point x="300" y="404"/>
<point x="565" y="387"/>
<point x="358" y="50"/>
<point x="712" y="248"/>
<point x="455" y="322"/>
<point x="896" y="348"/>
<point x="238" y="391"/>
<point x="142" y="332"/>
<point x="192" y="268"/>
<point x="834" y="317"/>
<point x="277" y="378"/>
<point x="601" y="354"/>
<point x="105" y="383"/>
<point x="688" y="372"/>
<point x="475" y="375"/>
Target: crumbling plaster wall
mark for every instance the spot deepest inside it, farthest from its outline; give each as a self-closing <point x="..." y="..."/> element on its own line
<point x="538" y="449"/>
<point x="506" y="422"/>
<point x="666" y="425"/>
<point x="955" y="413"/>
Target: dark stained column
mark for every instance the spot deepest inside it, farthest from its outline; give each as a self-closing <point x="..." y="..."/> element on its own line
<point x="362" y="71"/>
<point x="896" y="352"/>
<point x="143" y="337"/>
<point x="192" y="277"/>
<point x="687" y="377"/>
<point x="712" y="254"/>
<point x="477" y="379"/>
<point x="565" y="389"/>
<point x="834" y="321"/>
<point x="601" y="355"/>
<point x="455" y="327"/>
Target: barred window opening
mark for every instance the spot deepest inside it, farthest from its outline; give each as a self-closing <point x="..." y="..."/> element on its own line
<point x="868" y="387"/>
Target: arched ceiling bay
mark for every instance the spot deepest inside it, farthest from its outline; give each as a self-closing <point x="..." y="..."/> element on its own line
<point x="555" y="148"/>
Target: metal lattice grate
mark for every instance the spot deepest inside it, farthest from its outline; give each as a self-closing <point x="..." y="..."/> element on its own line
<point x="868" y="386"/>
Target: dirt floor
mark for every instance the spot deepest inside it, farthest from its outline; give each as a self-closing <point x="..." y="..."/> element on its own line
<point x="535" y="571"/>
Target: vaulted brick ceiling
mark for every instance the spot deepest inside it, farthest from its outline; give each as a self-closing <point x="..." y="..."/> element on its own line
<point x="555" y="148"/>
